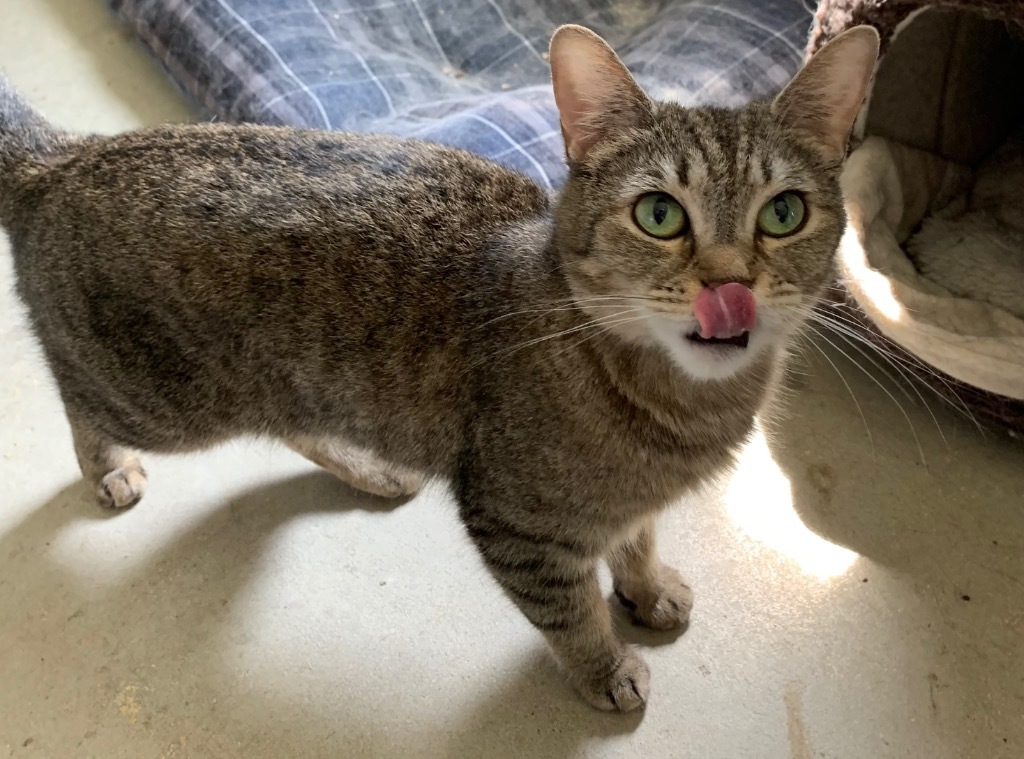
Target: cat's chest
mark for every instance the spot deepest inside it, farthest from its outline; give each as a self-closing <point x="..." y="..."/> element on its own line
<point x="637" y="462"/>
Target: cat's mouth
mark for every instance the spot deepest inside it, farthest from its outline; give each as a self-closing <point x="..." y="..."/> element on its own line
<point x="736" y="341"/>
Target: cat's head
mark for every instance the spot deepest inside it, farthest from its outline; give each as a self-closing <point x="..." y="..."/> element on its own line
<point x="707" y="232"/>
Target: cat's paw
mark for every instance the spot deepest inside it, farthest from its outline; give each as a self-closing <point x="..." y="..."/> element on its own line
<point x="623" y="689"/>
<point x="669" y="610"/>
<point x="122" y="488"/>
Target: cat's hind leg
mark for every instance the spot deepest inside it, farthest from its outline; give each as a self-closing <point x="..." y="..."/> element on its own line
<point x="113" y="470"/>
<point x="358" y="467"/>
<point x="653" y="593"/>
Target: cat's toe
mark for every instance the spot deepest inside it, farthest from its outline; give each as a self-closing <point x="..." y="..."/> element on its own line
<point x="122" y="488"/>
<point x="623" y="689"/>
<point x="670" y="609"/>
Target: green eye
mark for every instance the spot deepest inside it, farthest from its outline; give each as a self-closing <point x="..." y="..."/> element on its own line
<point x="782" y="215"/>
<point x="659" y="215"/>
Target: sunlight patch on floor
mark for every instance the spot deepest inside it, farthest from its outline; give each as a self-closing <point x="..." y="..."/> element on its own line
<point x="759" y="500"/>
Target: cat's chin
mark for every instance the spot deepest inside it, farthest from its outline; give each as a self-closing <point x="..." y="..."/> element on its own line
<point x="708" y="360"/>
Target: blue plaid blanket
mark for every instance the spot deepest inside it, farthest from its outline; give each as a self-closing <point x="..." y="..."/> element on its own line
<point x="471" y="73"/>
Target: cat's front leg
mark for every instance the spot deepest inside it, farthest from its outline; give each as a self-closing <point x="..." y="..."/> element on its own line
<point x="654" y="593"/>
<point x="557" y="589"/>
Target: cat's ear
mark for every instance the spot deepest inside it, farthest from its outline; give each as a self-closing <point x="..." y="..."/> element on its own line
<point x="824" y="98"/>
<point x="595" y="94"/>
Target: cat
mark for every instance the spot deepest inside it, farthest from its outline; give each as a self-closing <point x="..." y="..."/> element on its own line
<point x="398" y="311"/>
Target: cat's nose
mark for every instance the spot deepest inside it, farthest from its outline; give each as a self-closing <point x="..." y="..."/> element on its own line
<point x="719" y="265"/>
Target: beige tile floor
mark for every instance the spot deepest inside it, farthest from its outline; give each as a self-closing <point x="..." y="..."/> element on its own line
<point x="858" y="595"/>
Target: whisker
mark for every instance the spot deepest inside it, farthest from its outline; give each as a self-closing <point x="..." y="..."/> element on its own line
<point x="607" y="319"/>
<point x="913" y="365"/>
<point x="853" y="339"/>
<point x="860" y="411"/>
<point x="570" y="299"/>
<point x="602" y="331"/>
<point x="843" y="328"/>
<point x="543" y="311"/>
<point x="874" y="379"/>
<point x="600" y="322"/>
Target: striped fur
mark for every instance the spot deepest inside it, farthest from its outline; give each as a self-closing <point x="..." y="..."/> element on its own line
<point x="396" y="310"/>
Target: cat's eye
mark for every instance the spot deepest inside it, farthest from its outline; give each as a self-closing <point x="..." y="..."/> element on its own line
<point x="782" y="215"/>
<point x="660" y="215"/>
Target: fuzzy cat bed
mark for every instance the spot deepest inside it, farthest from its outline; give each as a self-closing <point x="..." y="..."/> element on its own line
<point x="934" y="254"/>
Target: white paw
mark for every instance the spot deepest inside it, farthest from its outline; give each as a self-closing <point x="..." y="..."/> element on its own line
<point x="623" y="689"/>
<point x="669" y="610"/>
<point x="122" y="488"/>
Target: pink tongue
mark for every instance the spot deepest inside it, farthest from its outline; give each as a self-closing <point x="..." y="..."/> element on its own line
<point x="726" y="311"/>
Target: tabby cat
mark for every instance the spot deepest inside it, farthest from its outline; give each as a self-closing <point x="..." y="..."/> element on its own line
<point x="398" y="311"/>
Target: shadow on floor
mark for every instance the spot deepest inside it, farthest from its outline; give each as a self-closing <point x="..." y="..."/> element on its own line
<point x="947" y="544"/>
<point x="171" y="614"/>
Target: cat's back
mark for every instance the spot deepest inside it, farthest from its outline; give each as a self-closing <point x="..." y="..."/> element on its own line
<point x="247" y="185"/>
<point x="240" y="224"/>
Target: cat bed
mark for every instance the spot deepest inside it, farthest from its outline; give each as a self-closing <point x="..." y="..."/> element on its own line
<point x="934" y="253"/>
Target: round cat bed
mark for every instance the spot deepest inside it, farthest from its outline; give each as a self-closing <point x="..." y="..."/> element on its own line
<point x="933" y="259"/>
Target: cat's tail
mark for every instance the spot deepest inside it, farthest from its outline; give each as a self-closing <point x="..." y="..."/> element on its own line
<point x="27" y="143"/>
<point x="25" y="136"/>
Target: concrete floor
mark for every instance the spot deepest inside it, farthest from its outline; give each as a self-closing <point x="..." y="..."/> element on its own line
<point x="859" y="594"/>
